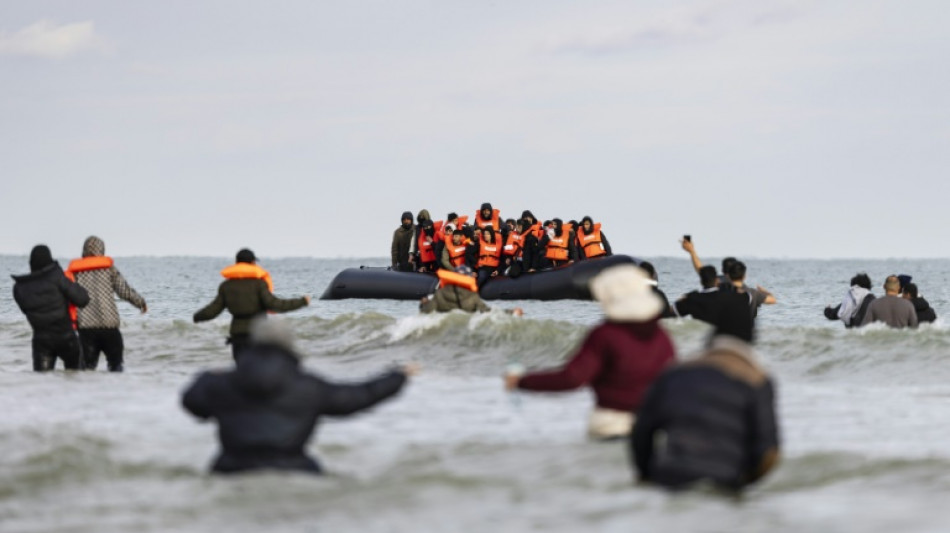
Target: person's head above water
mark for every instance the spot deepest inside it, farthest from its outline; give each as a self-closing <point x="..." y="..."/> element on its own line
<point x="727" y="265"/>
<point x="625" y="293"/>
<point x="708" y="277"/>
<point x="245" y="256"/>
<point x="40" y="257"/>
<point x="273" y="332"/>
<point x="892" y="285"/>
<point x="861" y="280"/>
<point x="737" y="271"/>
<point x="910" y="291"/>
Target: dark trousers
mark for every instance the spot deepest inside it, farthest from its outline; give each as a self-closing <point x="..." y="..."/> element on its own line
<point x="238" y="344"/>
<point x="49" y="346"/>
<point x="484" y="274"/>
<point x="98" y="341"/>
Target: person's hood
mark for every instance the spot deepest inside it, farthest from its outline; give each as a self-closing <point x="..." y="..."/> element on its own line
<point x="586" y="219"/>
<point x="93" y="247"/>
<point x="423" y="215"/>
<point x="485" y="206"/>
<point x="40" y="257"/>
<point x="49" y="270"/>
<point x="858" y="293"/>
<point x="264" y="370"/>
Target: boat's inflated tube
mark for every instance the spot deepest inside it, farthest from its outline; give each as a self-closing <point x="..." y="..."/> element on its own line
<point x="369" y="282"/>
<point x="565" y="283"/>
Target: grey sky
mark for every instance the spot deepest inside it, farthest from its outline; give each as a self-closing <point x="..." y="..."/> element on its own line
<point x="769" y="129"/>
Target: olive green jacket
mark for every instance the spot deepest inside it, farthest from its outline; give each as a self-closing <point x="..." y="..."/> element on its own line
<point x="452" y="297"/>
<point x="246" y="299"/>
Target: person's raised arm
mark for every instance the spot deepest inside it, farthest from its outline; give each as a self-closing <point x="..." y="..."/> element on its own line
<point x="688" y="246"/>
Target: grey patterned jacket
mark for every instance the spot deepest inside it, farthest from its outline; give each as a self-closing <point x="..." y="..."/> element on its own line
<point x="101" y="284"/>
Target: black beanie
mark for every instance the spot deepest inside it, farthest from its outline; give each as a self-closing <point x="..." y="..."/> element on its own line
<point x="40" y="257"/>
<point x="245" y="256"/>
<point x="405" y="215"/>
<point x="485" y="206"/>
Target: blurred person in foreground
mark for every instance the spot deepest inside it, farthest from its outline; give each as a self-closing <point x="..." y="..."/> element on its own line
<point x="710" y="420"/>
<point x="619" y="359"/>
<point x="45" y="296"/>
<point x="268" y="406"/>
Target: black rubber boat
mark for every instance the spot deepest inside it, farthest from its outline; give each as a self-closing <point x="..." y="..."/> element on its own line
<point x="565" y="283"/>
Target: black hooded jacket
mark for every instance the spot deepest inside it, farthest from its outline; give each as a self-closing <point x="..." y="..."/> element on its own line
<point x="925" y="313"/>
<point x="268" y="406"/>
<point x="44" y="297"/>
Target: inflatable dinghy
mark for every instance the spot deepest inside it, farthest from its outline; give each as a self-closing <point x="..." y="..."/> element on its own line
<point x="565" y="283"/>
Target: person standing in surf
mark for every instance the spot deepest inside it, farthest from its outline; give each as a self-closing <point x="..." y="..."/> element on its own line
<point x="98" y="322"/>
<point x="45" y="296"/>
<point x="619" y="359"/>
<point x="267" y="407"/>
<point x="246" y="293"/>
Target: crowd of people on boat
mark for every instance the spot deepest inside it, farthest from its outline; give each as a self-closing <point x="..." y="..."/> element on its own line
<point x="492" y="245"/>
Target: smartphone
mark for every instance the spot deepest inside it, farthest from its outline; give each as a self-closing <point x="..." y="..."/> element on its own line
<point x="688" y="238"/>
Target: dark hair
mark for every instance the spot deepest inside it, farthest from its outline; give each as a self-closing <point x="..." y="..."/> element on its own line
<point x="911" y="290"/>
<point x="451" y="216"/>
<point x="490" y="230"/>
<point x="708" y="277"/>
<point x="245" y="256"/>
<point x="510" y="221"/>
<point x="486" y="205"/>
<point x="861" y="280"/>
<point x="737" y="271"/>
<point x="727" y="264"/>
<point x="648" y="268"/>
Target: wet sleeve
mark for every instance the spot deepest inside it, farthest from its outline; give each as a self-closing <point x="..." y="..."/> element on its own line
<point x="74" y="292"/>
<point x="211" y="310"/>
<point x="645" y="426"/>
<point x="346" y="399"/>
<point x="580" y="370"/>
<point x="125" y="291"/>
<point x="280" y="305"/>
<point x="197" y="399"/>
<point x="831" y="313"/>
<point x="603" y="240"/>
<point x="765" y="446"/>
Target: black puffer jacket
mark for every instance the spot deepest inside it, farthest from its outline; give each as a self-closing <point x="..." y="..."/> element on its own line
<point x="717" y="414"/>
<point x="44" y="297"/>
<point x="925" y="313"/>
<point x="267" y="408"/>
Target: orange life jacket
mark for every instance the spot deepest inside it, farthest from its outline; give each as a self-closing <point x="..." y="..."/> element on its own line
<point x="537" y="230"/>
<point x="84" y="264"/>
<point x="514" y="247"/>
<point x="591" y="243"/>
<point x="558" y="248"/>
<point x="456" y="253"/>
<point x="424" y="244"/>
<point x="248" y="271"/>
<point x="489" y="253"/>
<point x="481" y="222"/>
<point x="447" y="277"/>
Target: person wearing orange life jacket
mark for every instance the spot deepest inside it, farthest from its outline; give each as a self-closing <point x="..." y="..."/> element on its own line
<point x="591" y="242"/>
<point x="513" y="263"/>
<point x="457" y="290"/>
<point x="247" y="293"/>
<point x="457" y="251"/>
<point x="98" y="322"/>
<point x="558" y="245"/>
<point x="421" y="220"/>
<point x="487" y="216"/>
<point x="426" y="245"/>
<point x="488" y="251"/>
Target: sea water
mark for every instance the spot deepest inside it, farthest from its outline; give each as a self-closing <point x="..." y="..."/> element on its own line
<point x="865" y="417"/>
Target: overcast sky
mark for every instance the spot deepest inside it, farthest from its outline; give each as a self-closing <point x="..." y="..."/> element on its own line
<point x="303" y="128"/>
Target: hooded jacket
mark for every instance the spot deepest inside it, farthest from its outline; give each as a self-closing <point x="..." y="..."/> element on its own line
<point x="402" y="244"/>
<point x="717" y="416"/>
<point x="44" y="297"/>
<point x="925" y="313"/>
<point x="267" y="408"/>
<point x="851" y="304"/>
<point x="101" y="284"/>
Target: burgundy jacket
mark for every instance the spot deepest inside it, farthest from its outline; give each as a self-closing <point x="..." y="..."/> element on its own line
<point x="619" y="360"/>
